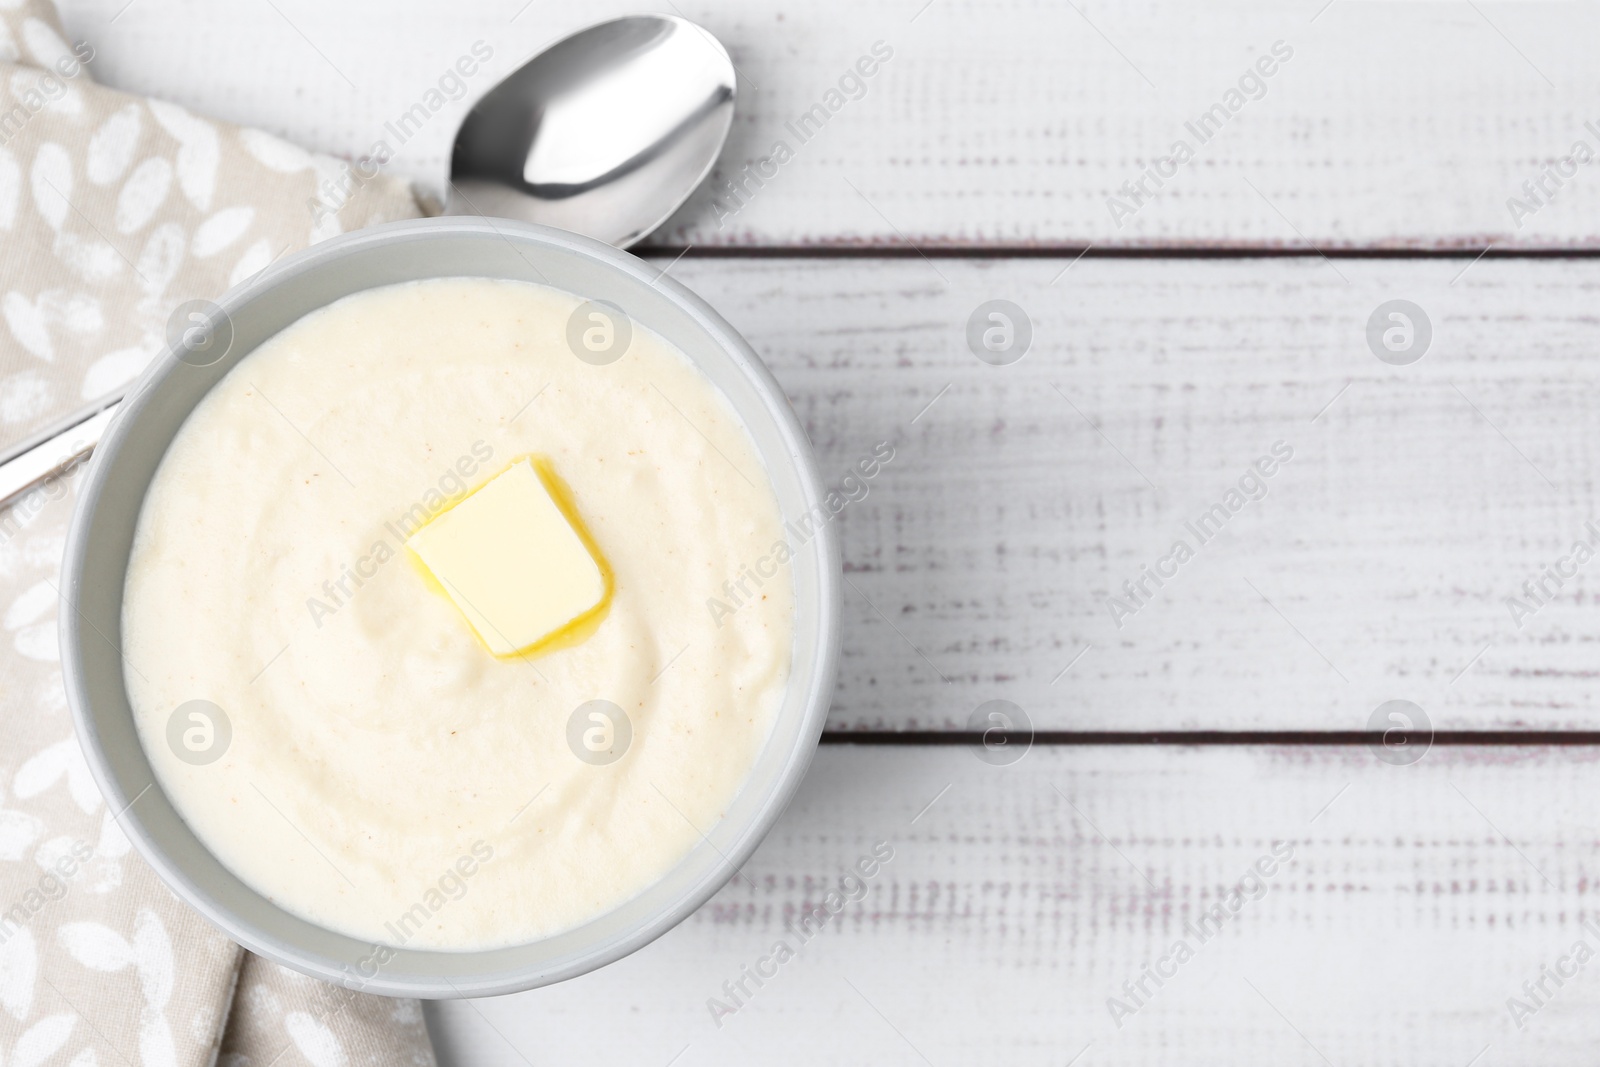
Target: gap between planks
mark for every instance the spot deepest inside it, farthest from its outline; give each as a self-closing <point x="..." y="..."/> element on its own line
<point x="1089" y="738"/>
<point x="901" y="250"/>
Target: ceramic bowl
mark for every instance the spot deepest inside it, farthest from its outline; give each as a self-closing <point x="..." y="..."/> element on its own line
<point x="113" y="490"/>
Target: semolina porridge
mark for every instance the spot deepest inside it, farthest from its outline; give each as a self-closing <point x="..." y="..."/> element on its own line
<point x="311" y="674"/>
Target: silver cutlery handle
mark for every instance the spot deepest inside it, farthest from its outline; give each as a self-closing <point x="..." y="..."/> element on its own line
<point x="54" y="452"/>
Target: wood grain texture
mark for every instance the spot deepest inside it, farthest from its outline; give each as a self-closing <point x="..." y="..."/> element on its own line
<point x="1375" y="568"/>
<point x="1417" y="901"/>
<point x="996" y="121"/>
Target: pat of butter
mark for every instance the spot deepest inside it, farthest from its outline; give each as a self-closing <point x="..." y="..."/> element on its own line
<point x="512" y="562"/>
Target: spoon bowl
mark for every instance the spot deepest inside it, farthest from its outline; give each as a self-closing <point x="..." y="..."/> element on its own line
<point x="605" y="133"/>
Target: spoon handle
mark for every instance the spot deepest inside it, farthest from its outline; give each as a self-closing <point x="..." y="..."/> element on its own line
<point x="55" y="452"/>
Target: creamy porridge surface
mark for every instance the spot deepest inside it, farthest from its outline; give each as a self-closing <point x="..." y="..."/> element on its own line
<point x="384" y="774"/>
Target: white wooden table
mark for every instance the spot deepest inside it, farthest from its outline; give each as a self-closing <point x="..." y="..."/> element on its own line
<point x="1220" y="728"/>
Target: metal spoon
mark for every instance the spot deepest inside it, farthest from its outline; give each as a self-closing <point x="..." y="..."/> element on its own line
<point x="605" y="133"/>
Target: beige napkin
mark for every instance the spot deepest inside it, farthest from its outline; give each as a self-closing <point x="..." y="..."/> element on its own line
<point x="114" y="210"/>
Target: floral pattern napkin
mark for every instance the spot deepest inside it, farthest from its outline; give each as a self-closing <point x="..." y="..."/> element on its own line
<point x="115" y="210"/>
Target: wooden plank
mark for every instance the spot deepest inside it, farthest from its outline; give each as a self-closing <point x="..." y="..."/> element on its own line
<point x="1377" y="566"/>
<point x="1415" y="903"/>
<point x="994" y="122"/>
